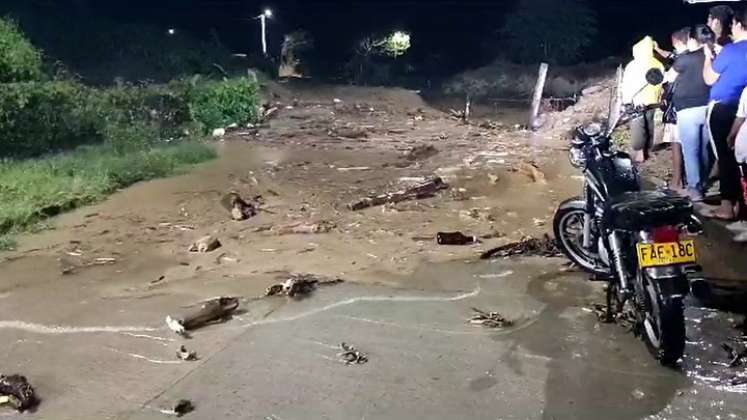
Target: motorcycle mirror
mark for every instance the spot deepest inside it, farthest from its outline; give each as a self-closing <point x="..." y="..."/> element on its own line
<point x="654" y="77"/>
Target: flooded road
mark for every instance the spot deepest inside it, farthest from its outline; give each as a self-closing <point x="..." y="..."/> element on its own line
<point x="426" y="361"/>
<point x="83" y="304"/>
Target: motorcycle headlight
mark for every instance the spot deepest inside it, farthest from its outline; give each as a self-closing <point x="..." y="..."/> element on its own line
<point x="593" y="129"/>
<point x="576" y="156"/>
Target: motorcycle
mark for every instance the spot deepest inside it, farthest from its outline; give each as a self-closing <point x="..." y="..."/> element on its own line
<point x="639" y="242"/>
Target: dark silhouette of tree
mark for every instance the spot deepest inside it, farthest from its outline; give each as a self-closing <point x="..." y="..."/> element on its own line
<point x="555" y="31"/>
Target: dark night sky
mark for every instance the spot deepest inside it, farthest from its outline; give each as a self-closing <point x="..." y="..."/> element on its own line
<point x="458" y="30"/>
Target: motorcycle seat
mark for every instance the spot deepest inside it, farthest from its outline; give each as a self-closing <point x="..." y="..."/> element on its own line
<point x="645" y="209"/>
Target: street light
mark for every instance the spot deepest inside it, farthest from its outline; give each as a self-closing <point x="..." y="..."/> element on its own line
<point x="171" y="31"/>
<point x="267" y="14"/>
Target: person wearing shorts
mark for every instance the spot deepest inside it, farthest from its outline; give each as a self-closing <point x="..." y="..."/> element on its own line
<point x="636" y="91"/>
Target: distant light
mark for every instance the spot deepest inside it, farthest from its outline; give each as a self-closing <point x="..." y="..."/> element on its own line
<point x="172" y="31"/>
<point x="268" y="13"/>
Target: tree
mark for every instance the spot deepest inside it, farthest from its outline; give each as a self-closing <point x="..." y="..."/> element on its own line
<point x="19" y="60"/>
<point x="555" y="31"/>
<point x="295" y="44"/>
<point x="370" y="47"/>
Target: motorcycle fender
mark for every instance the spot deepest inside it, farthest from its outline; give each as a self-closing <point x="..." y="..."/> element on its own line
<point x="670" y="281"/>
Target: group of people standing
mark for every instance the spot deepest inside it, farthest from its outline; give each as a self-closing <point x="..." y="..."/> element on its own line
<point x="706" y="92"/>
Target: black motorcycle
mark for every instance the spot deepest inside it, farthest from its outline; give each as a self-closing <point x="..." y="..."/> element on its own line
<point x="640" y="242"/>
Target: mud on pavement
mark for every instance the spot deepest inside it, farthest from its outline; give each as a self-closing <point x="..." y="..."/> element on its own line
<point x="82" y="306"/>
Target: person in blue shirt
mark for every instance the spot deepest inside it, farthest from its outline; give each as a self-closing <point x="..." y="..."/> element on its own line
<point x="726" y="73"/>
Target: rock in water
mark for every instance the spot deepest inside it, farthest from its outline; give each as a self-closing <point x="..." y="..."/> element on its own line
<point x="17" y="391"/>
<point x="205" y="244"/>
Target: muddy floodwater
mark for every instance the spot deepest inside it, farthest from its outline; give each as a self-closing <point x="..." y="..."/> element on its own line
<point x="83" y="304"/>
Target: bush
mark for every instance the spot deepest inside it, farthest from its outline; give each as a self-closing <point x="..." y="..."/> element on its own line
<point x="47" y="117"/>
<point x="19" y="60"/>
<point x="38" y="118"/>
<point x="216" y="104"/>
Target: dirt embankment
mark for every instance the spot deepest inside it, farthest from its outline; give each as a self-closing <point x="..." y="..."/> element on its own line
<point x="502" y="79"/>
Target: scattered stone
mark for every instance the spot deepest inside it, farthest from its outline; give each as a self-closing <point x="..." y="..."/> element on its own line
<point x="205" y="244"/>
<point x="493" y="179"/>
<point x="489" y="319"/>
<point x="16" y="392"/>
<point x="211" y="311"/>
<point x="181" y="408"/>
<point x="219" y="132"/>
<point x="528" y="246"/>
<point x="351" y="356"/>
<point x="187" y="356"/>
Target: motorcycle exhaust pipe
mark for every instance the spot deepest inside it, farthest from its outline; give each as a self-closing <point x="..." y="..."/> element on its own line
<point x="617" y="255"/>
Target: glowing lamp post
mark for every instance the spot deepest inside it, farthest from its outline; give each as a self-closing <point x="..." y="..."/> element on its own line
<point x="267" y="14"/>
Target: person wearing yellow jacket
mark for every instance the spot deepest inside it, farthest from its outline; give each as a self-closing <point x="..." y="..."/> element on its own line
<point x="636" y="91"/>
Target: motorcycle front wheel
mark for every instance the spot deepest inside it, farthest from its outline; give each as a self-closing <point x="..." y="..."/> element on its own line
<point x="568" y="227"/>
<point x="663" y="328"/>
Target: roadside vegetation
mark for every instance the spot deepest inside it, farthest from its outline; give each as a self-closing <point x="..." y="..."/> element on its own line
<point x="65" y="144"/>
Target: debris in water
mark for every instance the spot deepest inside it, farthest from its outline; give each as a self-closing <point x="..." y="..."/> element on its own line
<point x="638" y="394"/>
<point x="532" y="172"/>
<point x="424" y="190"/>
<point x="528" y="246"/>
<point x="205" y="244"/>
<point x="181" y="408"/>
<point x="489" y="319"/>
<point x="454" y="238"/>
<point x="213" y="310"/>
<point x="186" y="355"/>
<point x="305" y="228"/>
<point x="16" y="392"/>
<point x="354" y="168"/>
<point x="240" y="209"/>
<point x="351" y="356"/>
<point x="299" y="285"/>
<point x="736" y="357"/>
<point x="421" y="152"/>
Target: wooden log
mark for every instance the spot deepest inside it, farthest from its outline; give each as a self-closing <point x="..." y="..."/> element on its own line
<point x="424" y="190"/>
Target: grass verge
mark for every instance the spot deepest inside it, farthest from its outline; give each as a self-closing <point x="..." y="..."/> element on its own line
<point x="35" y="189"/>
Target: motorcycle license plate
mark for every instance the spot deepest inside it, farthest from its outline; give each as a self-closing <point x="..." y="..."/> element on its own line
<point x="669" y="253"/>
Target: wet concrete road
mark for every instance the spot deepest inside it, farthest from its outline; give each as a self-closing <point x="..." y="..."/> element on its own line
<point x="425" y="361"/>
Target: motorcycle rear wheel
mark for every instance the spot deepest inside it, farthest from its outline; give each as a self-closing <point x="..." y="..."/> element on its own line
<point x="663" y="328"/>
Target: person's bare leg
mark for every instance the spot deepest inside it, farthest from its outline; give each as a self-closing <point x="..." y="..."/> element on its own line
<point x="726" y="211"/>
<point x="676" y="182"/>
